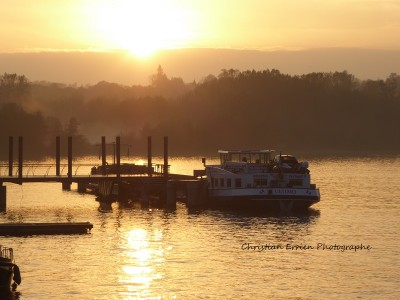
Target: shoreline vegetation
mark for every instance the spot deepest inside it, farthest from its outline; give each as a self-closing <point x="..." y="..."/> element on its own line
<point x="318" y="114"/>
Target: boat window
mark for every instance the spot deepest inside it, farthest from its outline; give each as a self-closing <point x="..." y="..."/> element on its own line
<point x="266" y="158"/>
<point x="238" y="182"/>
<point x="295" y="182"/>
<point x="221" y="182"/>
<point x="215" y="181"/>
<point x="224" y="157"/>
<point x="228" y="182"/>
<point x="255" y="158"/>
<point x="260" y="181"/>
<point x="235" y="157"/>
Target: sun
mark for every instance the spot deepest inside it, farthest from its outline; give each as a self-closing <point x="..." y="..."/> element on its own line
<point x="143" y="27"/>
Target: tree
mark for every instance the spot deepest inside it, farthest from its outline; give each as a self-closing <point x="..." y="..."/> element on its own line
<point x="393" y="86"/>
<point x="159" y="79"/>
<point x="13" y="87"/>
<point x="72" y="127"/>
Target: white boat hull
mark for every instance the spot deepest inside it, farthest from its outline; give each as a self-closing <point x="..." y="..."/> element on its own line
<point x="270" y="198"/>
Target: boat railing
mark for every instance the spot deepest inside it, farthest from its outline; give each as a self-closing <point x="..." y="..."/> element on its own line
<point x="6" y="252"/>
<point x="244" y="167"/>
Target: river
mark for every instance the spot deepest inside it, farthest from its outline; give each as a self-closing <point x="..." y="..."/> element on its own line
<point x="346" y="247"/>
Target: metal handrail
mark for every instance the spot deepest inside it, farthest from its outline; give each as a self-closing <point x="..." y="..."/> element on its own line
<point x="31" y="168"/>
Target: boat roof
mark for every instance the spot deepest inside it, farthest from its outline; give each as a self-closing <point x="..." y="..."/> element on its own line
<point x="245" y="151"/>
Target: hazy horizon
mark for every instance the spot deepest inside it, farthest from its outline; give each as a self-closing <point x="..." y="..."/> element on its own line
<point x="124" y="41"/>
<point x="82" y="68"/>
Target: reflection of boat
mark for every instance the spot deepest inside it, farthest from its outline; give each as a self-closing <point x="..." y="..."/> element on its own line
<point x="9" y="272"/>
<point x="252" y="178"/>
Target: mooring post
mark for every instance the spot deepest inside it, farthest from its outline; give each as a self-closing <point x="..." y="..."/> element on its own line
<point x="118" y="153"/>
<point x="81" y="187"/>
<point x="103" y="155"/>
<point x="165" y="157"/>
<point x="20" y="155"/>
<point x="10" y="155"/>
<point x="114" y="153"/>
<point x="66" y="184"/>
<point x="69" y="156"/>
<point x="3" y="198"/>
<point x="58" y="156"/>
<point x="149" y="157"/>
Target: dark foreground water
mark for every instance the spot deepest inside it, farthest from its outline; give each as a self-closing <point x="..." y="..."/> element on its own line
<point x="134" y="253"/>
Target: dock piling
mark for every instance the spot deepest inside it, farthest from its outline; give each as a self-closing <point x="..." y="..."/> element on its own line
<point x="149" y="157"/>
<point x="66" y="185"/>
<point x="58" y="156"/>
<point x="103" y="155"/>
<point x="20" y="155"/>
<point x="165" y="157"/>
<point x="118" y="153"/>
<point x="3" y="198"/>
<point x="81" y="187"/>
<point x="70" y="157"/>
<point x="10" y="155"/>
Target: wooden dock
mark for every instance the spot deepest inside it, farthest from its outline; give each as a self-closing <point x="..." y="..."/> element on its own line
<point x="148" y="181"/>
<point x="25" y="229"/>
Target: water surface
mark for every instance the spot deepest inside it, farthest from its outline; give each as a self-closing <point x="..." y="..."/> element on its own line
<point x="135" y="253"/>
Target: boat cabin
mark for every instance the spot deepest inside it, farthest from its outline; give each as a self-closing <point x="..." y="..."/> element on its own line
<point x="257" y="169"/>
<point x="247" y="156"/>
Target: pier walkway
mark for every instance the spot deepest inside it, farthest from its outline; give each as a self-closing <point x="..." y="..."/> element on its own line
<point x="148" y="178"/>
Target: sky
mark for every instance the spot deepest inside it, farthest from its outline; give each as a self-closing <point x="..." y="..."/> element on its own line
<point x="289" y="33"/>
<point x="143" y="27"/>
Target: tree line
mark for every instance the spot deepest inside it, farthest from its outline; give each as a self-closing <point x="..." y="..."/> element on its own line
<point x="330" y="112"/>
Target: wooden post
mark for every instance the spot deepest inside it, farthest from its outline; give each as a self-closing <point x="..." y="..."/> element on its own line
<point x="165" y="157"/>
<point x="81" y="187"/>
<point x="103" y="155"/>
<point x="149" y="157"/>
<point x="58" y="155"/>
<point x="118" y="153"/>
<point x="3" y="198"/>
<point x="66" y="185"/>
<point x="69" y="156"/>
<point x="114" y="153"/>
<point x="20" y="155"/>
<point x="10" y="155"/>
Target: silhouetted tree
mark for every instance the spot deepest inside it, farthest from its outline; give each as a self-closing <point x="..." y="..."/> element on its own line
<point x="13" y="87"/>
<point x="320" y="111"/>
<point x="159" y="79"/>
<point x="15" y="121"/>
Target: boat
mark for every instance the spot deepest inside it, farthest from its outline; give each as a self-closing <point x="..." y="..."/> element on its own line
<point x="10" y="276"/>
<point x="260" y="179"/>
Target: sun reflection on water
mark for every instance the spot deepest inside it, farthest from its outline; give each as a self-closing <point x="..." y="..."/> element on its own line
<point x="138" y="239"/>
<point x="141" y="256"/>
